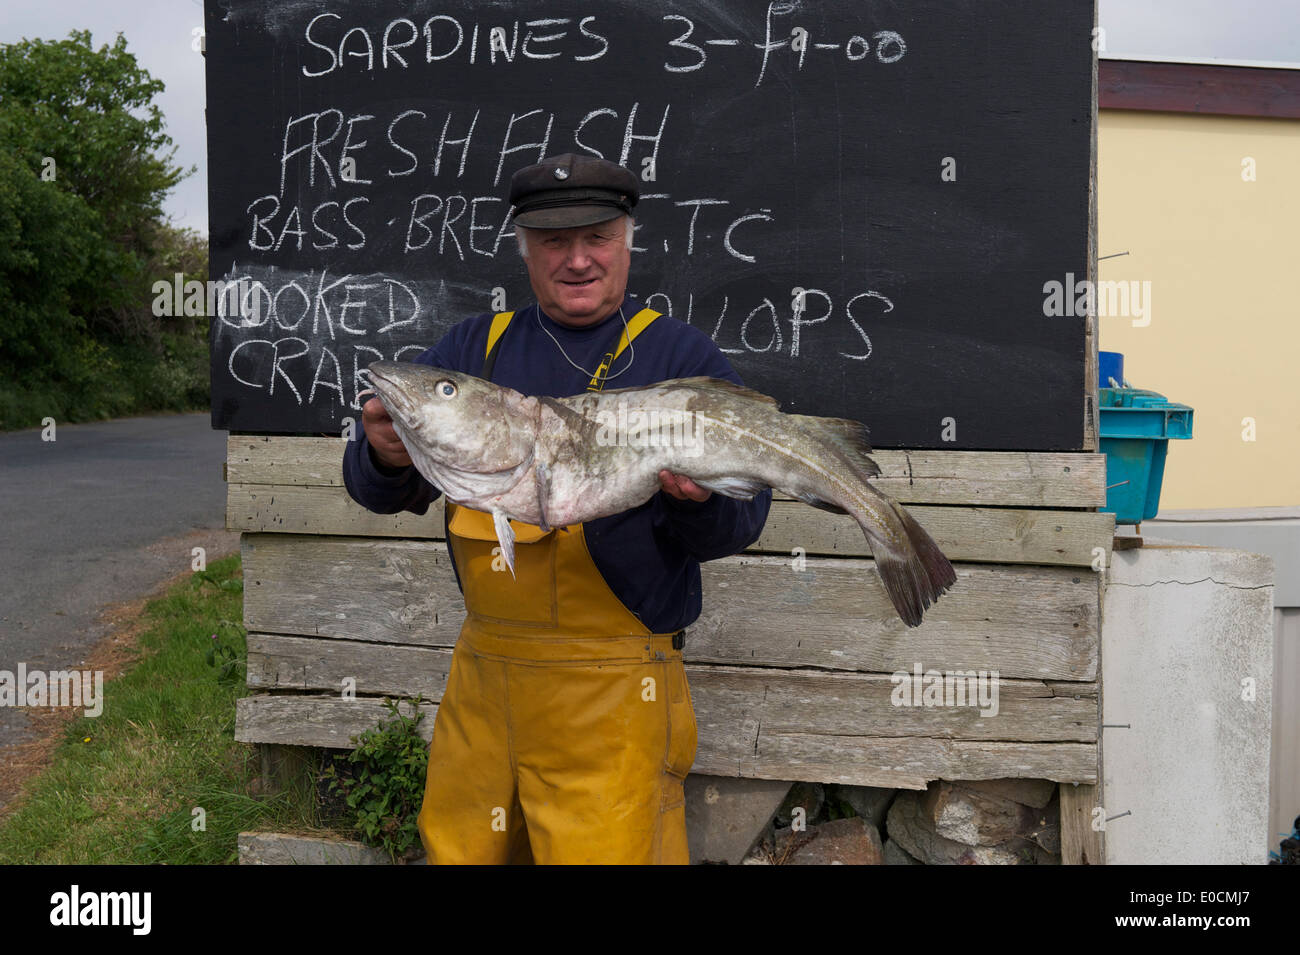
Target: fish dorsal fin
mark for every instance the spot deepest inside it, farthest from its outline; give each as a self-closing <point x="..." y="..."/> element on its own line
<point x="705" y="383"/>
<point x="849" y="436"/>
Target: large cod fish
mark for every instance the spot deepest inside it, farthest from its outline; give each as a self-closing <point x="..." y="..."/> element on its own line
<point x="555" y="462"/>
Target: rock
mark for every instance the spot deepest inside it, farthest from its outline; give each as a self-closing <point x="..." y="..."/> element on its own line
<point x="896" y="856"/>
<point x="869" y="802"/>
<point x="910" y="826"/>
<point x="852" y="841"/>
<point x="271" y="848"/>
<point x="1028" y="792"/>
<point x="725" y="815"/>
<point x="976" y="818"/>
<point x="810" y="796"/>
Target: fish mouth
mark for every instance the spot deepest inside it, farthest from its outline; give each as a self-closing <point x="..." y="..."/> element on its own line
<point x="394" y="400"/>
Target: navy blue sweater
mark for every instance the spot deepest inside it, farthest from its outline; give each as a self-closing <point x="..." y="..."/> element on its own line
<point x="649" y="555"/>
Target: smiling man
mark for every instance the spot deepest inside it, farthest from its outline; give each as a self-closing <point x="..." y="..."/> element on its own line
<point x="566" y="727"/>
<point x="579" y="275"/>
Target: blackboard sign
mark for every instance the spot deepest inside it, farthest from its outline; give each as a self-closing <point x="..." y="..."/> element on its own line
<point x="863" y="203"/>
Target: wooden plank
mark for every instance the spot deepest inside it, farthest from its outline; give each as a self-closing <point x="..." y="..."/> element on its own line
<point x="910" y="763"/>
<point x="1031" y="622"/>
<point x="389" y="591"/>
<point x="1080" y="843"/>
<point x="986" y="534"/>
<point x="1026" y="622"/>
<point x="1200" y="88"/>
<point x="726" y="698"/>
<point x="1077" y="690"/>
<point x="1001" y="478"/>
<point x="817" y="703"/>
<point x="330" y="722"/>
<point x="277" y="662"/>
<point x="904" y="762"/>
<point x="287" y="769"/>
<point x="284" y="459"/>
<point x="307" y="509"/>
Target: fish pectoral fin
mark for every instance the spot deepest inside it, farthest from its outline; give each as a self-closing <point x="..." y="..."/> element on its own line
<point x="542" y="475"/>
<point x="506" y="538"/>
<point x="742" y="488"/>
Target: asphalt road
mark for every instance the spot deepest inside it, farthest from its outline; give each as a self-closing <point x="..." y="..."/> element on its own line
<point x="104" y="513"/>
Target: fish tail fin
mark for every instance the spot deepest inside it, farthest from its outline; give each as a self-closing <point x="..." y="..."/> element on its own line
<point x="914" y="576"/>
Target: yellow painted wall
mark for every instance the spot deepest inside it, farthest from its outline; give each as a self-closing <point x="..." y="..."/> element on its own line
<point x="1223" y="259"/>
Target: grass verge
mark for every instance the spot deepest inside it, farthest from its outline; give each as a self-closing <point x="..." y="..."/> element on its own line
<point x="124" y="787"/>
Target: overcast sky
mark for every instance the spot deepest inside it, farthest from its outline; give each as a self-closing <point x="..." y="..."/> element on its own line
<point x="159" y="32"/>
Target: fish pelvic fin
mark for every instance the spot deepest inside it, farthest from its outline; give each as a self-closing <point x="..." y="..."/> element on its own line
<point x="742" y="489"/>
<point x="915" y="575"/>
<point x="808" y="497"/>
<point x="506" y="538"/>
<point x="849" y="437"/>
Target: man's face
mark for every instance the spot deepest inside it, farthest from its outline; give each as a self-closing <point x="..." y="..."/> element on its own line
<point x="579" y="275"/>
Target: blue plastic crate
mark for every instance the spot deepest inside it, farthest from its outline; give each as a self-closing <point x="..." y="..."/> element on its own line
<point x="1136" y="427"/>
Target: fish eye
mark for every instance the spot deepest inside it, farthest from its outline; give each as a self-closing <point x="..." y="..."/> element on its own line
<point x="446" y="389"/>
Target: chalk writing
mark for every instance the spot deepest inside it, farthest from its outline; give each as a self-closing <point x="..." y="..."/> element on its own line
<point x="353" y="48"/>
<point x="887" y="46"/>
<point x="361" y="155"/>
<point x="765" y="316"/>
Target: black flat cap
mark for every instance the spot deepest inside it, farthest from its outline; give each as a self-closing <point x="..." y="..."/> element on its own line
<point x="569" y="190"/>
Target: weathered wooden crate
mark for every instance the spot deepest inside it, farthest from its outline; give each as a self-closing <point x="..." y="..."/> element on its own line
<point x="790" y="662"/>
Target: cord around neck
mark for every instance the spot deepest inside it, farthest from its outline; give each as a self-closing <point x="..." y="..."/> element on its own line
<point x="590" y="374"/>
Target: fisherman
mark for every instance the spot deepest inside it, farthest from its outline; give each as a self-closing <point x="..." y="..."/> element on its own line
<point x="566" y="728"/>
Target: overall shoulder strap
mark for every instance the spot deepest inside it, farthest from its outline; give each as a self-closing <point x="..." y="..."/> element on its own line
<point x="495" y="332"/>
<point x="635" y="326"/>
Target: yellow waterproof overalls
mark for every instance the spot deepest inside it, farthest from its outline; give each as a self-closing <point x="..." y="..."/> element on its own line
<point x="566" y="728"/>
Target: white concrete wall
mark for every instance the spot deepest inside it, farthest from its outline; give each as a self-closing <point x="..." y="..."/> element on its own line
<point x="1274" y="531"/>
<point x="1182" y="627"/>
